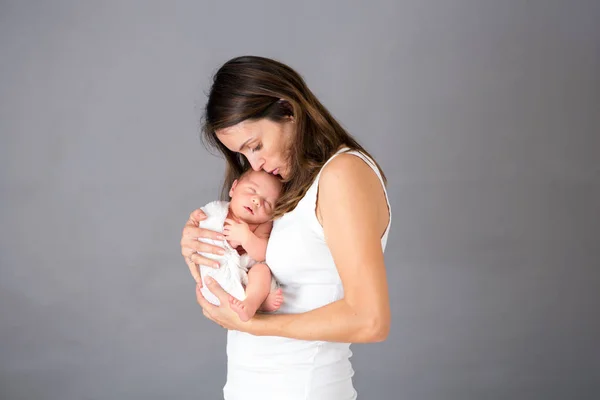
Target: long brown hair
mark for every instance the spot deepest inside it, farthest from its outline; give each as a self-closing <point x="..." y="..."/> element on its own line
<point x="251" y="87"/>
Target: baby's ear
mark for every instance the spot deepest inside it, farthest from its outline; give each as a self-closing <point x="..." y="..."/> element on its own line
<point x="233" y="185"/>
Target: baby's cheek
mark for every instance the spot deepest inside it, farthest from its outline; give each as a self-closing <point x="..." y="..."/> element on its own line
<point x="264" y="216"/>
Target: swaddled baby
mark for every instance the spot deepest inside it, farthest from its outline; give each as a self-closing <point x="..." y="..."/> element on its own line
<point x="246" y="223"/>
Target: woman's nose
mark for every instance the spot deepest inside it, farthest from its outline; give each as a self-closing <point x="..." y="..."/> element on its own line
<point x="257" y="164"/>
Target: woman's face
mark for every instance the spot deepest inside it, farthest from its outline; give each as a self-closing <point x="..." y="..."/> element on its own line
<point x="263" y="142"/>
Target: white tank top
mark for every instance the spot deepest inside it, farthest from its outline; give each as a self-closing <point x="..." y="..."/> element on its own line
<point x="270" y="367"/>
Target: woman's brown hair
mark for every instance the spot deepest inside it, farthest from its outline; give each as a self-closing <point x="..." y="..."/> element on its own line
<point x="251" y="87"/>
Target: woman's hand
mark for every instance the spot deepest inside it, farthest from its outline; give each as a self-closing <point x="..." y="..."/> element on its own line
<point x="191" y="245"/>
<point x="223" y="314"/>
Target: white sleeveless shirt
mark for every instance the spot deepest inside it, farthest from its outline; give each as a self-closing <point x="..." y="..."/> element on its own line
<point x="278" y="368"/>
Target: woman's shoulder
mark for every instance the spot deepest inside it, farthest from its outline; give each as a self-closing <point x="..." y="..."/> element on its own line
<point x="349" y="184"/>
<point x="348" y="168"/>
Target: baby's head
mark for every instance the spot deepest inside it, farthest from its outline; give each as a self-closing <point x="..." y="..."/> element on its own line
<point x="253" y="196"/>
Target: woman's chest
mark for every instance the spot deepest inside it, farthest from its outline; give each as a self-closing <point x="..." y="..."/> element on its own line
<point x="297" y="252"/>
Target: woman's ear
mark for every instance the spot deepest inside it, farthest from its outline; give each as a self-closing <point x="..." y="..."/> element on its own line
<point x="233" y="185"/>
<point x="287" y="106"/>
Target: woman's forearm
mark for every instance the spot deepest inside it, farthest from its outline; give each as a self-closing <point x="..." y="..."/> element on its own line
<point x="335" y="322"/>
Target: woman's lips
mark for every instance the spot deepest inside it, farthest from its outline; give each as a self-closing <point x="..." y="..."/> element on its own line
<point x="275" y="171"/>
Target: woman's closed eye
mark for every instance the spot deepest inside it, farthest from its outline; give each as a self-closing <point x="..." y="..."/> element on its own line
<point x="256" y="148"/>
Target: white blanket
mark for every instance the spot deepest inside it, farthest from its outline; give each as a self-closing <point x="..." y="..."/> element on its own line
<point x="233" y="273"/>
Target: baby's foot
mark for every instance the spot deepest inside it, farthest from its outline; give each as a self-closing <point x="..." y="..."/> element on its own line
<point x="242" y="308"/>
<point x="273" y="301"/>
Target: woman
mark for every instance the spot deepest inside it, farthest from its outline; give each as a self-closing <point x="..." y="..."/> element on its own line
<point x="326" y="246"/>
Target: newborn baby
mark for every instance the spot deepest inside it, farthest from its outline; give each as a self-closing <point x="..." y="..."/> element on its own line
<point x="246" y="223"/>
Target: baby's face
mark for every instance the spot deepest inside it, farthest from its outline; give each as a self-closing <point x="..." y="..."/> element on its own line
<point x="253" y="197"/>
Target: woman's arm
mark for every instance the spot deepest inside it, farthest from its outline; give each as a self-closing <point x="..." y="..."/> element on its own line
<point x="354" y="214"/>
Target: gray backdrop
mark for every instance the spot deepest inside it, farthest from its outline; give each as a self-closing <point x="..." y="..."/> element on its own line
<point x="485" y="116"/>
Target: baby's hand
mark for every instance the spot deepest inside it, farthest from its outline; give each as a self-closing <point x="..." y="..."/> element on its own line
<point x="237" y="232"/>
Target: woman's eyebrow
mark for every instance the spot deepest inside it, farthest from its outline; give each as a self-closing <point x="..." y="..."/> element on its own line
<point x="245" y="143"/>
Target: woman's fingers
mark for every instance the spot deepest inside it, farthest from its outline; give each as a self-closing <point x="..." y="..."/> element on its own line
<point x="191" y="245"/>
<point x="217" y="290"/>
<point x="199" y="259"/>
<point x="205" y="304"/>
<point x="209" y="309"/>
<point x="194" y="270"/>
<point x="191" y="231"/>
<point x="196" y="216"/>
<point x="201" y="247"/>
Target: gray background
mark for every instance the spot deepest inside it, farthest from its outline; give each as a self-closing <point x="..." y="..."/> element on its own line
<point x="485" y="116"/>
